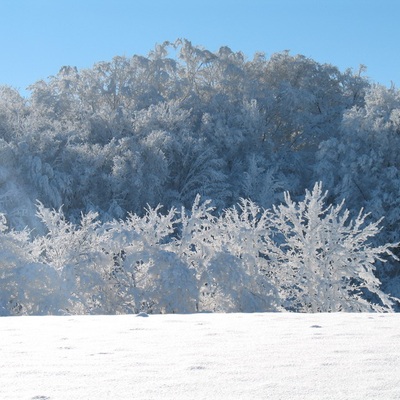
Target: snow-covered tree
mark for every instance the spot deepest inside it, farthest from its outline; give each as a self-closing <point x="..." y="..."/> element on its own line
<point x="324" y="259"/>
<point x="76" y="253"/>
<point x="148" y="274"/>
<point x="362" y="164"/>
<point x="227" y="254"/>
<point x="26" y="287"/>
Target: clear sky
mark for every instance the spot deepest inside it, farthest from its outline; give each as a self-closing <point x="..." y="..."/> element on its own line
<point x="38" y="37"/>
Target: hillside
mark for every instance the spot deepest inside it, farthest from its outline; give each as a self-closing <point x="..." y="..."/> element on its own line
<point x="105" y="146"/>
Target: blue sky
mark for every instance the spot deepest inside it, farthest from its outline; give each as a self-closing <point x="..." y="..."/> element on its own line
<point x="37" y="37"/>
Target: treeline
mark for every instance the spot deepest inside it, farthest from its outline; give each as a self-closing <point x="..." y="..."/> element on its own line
<point x="184" y="121"/>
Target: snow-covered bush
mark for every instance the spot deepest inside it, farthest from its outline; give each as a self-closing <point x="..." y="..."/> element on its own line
<point x="76" y="253"/>
<point x="302" y="256"/>
<point x="26" y="287"/>
<point x="325" y="260"/>
<point x="148" y="274"/>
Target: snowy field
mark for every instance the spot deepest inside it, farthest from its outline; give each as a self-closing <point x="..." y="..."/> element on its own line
<point x="202" y="356"/>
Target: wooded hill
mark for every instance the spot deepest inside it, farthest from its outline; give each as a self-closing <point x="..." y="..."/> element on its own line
<point x="183" y="121"/>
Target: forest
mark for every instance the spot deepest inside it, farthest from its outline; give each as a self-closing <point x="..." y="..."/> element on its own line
<point x="192" y="180"/>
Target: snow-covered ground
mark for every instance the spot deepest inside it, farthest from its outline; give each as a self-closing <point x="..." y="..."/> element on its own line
<point x="202" y="356"/>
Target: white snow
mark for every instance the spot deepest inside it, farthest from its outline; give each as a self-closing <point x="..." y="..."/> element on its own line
<point x="201" y="356"/>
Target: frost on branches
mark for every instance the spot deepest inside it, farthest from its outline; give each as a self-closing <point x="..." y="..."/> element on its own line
<point x="325" y="261"/>
<point x="301" y="256"/>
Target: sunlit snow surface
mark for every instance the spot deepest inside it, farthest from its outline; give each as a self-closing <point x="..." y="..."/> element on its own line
<point x="203" y="356"/>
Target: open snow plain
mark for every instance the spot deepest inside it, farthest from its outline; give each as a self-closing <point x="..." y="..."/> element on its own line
<point x="201" y="356"/>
